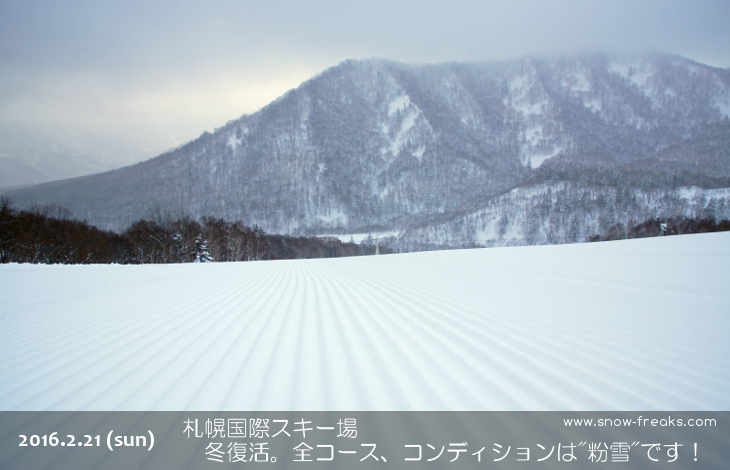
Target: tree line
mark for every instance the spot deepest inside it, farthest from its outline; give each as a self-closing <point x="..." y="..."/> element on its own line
<point x="660" y="227"/>
<point x="48" y="235"/>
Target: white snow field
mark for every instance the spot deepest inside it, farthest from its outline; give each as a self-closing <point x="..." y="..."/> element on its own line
<point x="628" y="325"/>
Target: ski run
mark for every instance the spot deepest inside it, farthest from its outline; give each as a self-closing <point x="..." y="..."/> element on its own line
<point x="625" y="325"/>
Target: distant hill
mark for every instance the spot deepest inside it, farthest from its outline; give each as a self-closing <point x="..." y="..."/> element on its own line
<point x="30" y="156"/>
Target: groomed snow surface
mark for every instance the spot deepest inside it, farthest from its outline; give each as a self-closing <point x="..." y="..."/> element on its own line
<point x="627" y="325"/>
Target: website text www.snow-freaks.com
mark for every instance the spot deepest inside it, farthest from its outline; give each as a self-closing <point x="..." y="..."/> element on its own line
<point x="640" y="421"/>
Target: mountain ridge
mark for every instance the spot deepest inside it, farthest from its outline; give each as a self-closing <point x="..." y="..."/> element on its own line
<point x="376" y="144"/>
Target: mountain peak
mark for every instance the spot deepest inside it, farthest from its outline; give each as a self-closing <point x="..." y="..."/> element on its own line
<point x="374" y="143"/>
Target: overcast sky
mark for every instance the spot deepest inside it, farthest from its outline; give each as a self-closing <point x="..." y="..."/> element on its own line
<point x="163" y="72"/>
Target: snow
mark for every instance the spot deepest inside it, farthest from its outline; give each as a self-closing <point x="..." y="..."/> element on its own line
<point x="627" y="325"/>
<point x="723" y="106"/>
<point x="533" y="135"/>
<point x="595" y="105"/>
<point x="359" y="237"/>
<point x="520" y="98"/>
<point x="538" y="159"/>
<point x="320" y="170"/>
<point x="419" y="152"/>
<point x="638" y="72"/>
<point x="234" y="142"/>
<point x="400" y="138"/>
<point x="577" y="82"/>
<point x="336" y="216"/>
<point x="641" y="78"/>
<point x="527" y="108"/>
<point x="402" y="101"/>
<point x="482" y="227"/>
<point x="690" y="192"/>
<point x="620" y="68"/>
<point x="533" y="151"/>
<point x="385" y="129"/>
<point x="520" y="85"/>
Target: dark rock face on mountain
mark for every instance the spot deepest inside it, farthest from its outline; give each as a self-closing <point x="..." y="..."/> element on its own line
<point x="379" y="145"/>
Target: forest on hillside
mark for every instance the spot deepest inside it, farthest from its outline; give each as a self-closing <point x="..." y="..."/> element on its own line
<point x="48" y="235"/>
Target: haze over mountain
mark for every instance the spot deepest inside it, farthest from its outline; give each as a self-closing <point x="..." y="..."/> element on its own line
<point x="376" y="145"/>
<point x="30" y="155"/>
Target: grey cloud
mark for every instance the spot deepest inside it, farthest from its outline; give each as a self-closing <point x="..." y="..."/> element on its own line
<point x="134" y="63"/>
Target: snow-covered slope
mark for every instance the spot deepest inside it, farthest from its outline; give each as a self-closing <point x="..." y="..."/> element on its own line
<point x="565" y="212"/>
<point x="629" y="325"/>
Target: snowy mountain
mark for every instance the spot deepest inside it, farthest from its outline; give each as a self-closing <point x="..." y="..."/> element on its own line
<point x="379" y="145"/>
